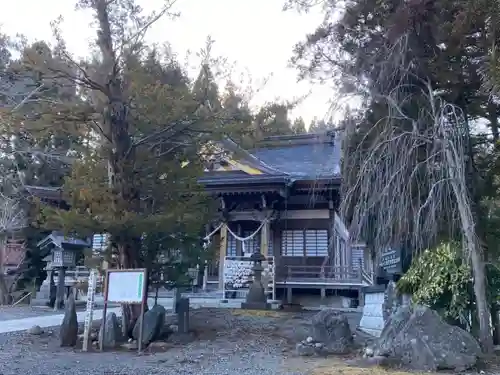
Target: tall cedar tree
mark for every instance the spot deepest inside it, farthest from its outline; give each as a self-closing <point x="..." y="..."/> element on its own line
<point x="145" y="131"/>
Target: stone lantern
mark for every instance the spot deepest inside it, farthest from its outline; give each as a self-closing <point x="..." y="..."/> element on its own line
<point x="63" y="253"/>
<point x="256" y="297"/>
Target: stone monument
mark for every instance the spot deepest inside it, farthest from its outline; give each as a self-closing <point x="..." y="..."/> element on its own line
<point x="381" y="298"/>
<point x="256" y="298"/>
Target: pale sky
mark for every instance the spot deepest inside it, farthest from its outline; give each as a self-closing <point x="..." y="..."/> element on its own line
<point x="256" y="34"/>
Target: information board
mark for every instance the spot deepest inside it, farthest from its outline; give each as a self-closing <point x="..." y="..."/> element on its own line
<point x="126" y="286"/>
<point x="390" y="261"/>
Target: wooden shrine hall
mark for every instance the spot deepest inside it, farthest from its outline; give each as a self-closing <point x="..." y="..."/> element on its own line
<point x="281" y="198"/>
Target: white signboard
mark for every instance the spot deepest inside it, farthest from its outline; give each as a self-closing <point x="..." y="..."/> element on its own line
<point x="90" y="309"/>
<point x="126" y="286"/>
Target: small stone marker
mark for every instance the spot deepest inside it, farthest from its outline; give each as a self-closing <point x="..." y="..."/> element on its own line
<point x="112" y="336"/>
<point x="153" y="322"/>
<point x="69" y="325"/>
<point x="182" y="309"/>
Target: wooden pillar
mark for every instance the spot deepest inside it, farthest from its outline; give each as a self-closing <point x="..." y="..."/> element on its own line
<point x="264" y="239"/>
<point x="222" y="253"/>
<point x="264" y="233"/>
<point x="239" y="247"/>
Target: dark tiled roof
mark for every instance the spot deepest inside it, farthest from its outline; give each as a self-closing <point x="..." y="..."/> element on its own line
<point x="61" y="241"/>
<point x="304" y="160"/>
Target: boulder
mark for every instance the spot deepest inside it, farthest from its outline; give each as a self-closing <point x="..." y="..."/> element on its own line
<point x="153" y="323"/>
<point x="69" y="326"/>
<point x="35" y="330"/>
<point x="331" y="328"/>
<point x="113" y="334"/>
<point x="419" y="339"/>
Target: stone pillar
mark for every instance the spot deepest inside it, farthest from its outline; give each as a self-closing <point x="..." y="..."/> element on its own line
<point x="60" y="288"/>
<point x="205" y="276"/>
<point x="289" y="295"/>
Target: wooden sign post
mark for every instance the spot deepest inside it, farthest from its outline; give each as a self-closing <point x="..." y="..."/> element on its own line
<point x="90" y="308"/>
<point x="127" y="286"/>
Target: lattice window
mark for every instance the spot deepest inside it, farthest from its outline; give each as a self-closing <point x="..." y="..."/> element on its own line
<point x="252" y="245"/>
<point x="231" y="245"/>
<point x="316" y="242"/>
<point x="292" y="243"/>
<point x="357" y="257"/>
<point x="270" y="248"/>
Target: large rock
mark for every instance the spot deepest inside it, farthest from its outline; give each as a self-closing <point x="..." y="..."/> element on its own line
<point x="153" y="323"/>
<point x="417" y="338"/>
<point x="331" y="328"/>
<point x="35" y="330"/>
<point x="112" y="335"/>
<point x="69" y="327"/>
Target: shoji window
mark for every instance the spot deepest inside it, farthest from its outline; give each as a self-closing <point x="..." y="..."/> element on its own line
<point x="292" y="243"/>
<point x="316" y="242"/>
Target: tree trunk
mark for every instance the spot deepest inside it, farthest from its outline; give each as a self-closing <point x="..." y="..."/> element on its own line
<point x="476" y="254"/>
<point x="483" y="311"/>
<point x="4" y="292"/>
<point x="121" y="155"/>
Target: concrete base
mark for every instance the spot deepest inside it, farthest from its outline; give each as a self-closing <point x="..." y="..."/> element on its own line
<point x="256" y="306"/>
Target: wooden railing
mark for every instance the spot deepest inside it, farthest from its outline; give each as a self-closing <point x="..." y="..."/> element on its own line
<point x="312" y="273"/>
<point x="340" y="274"/>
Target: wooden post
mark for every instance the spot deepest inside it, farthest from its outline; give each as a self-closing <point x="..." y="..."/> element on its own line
<point x="222" y="253"/>
<point x="264" y="239"/>
<point x="90" y="309"/>
<point x="239" y="247"/>
<point x="264" y="234"/>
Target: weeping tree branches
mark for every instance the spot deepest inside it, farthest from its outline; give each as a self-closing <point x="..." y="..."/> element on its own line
<point x="398" y="186"/>
<point x="406" y="175"/>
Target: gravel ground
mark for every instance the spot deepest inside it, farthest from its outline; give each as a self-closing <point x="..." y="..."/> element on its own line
<point x="225" y="342"/>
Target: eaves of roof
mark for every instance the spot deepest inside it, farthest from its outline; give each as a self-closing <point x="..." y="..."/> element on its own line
<point x="247" y="180"/>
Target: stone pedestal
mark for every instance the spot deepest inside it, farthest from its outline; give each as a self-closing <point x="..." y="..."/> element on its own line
<point x="380" y="303"/>
<point x="47" y="291"/>
<point x="372" y="321"/>
<point x="256" y="297"/>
